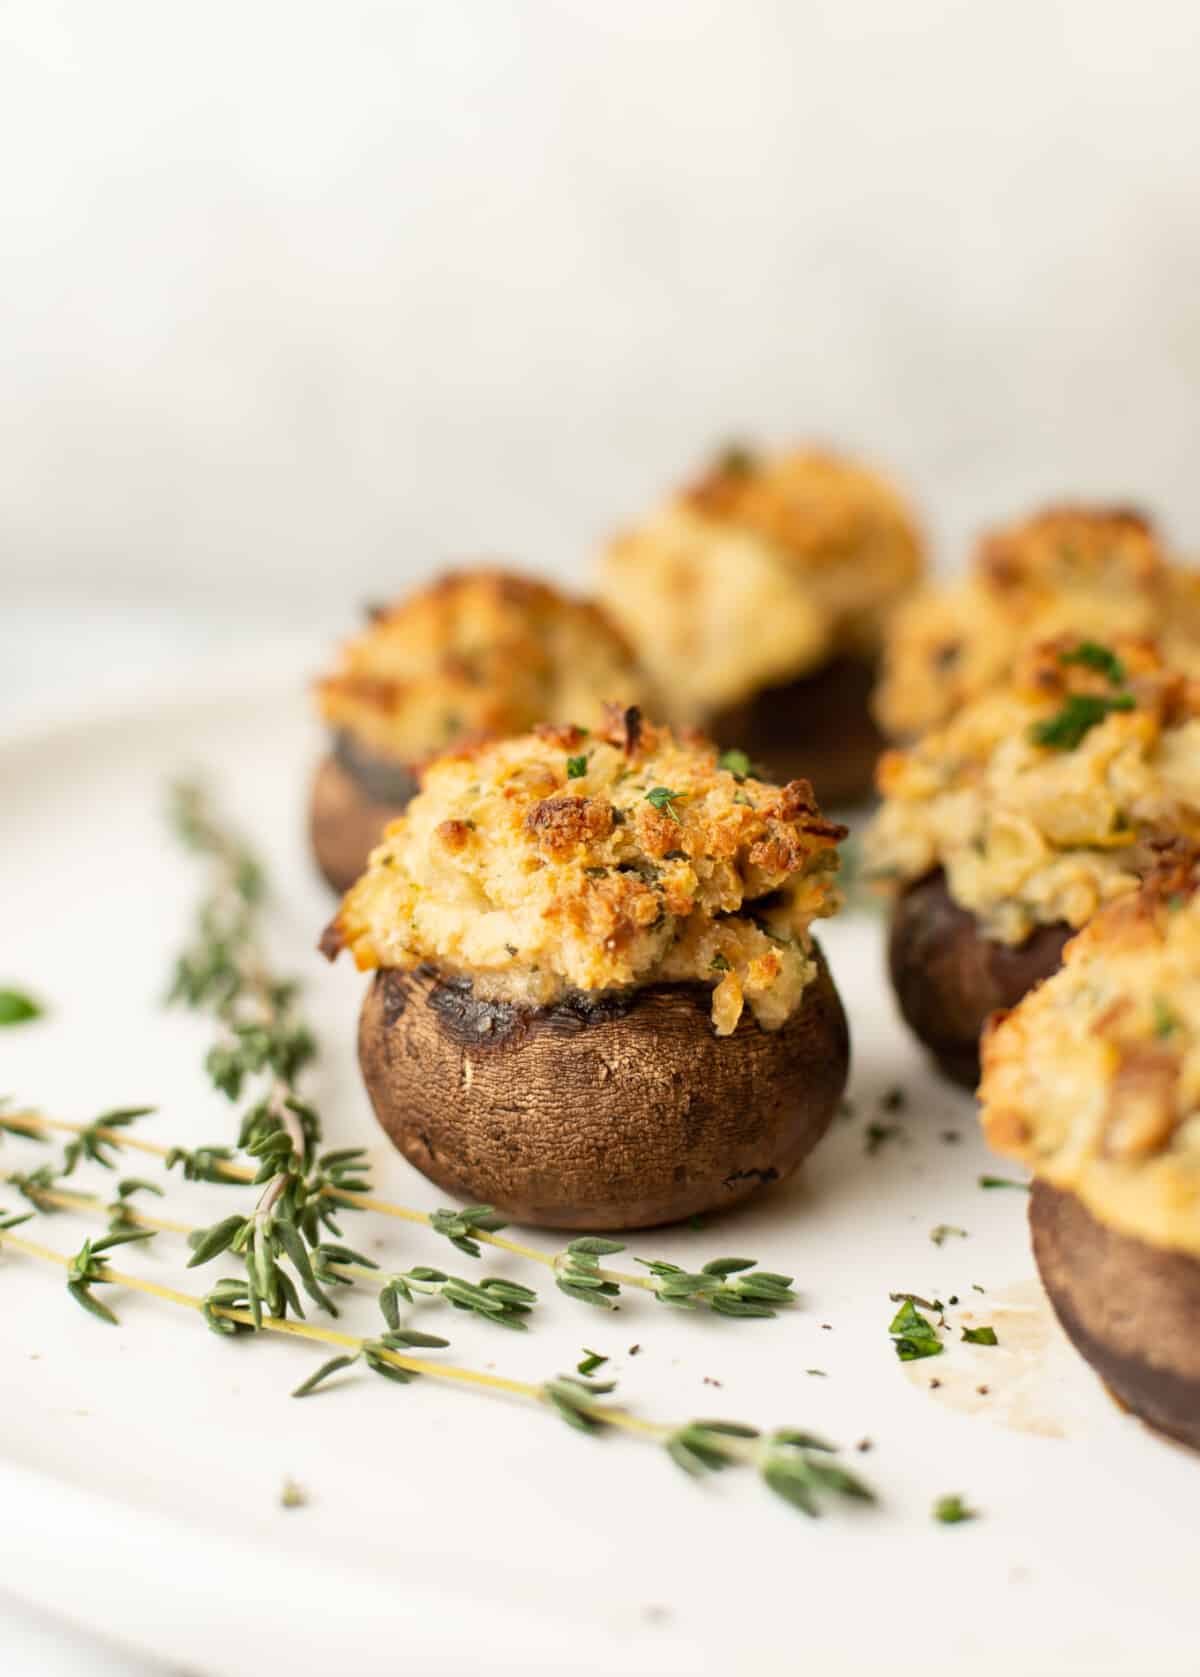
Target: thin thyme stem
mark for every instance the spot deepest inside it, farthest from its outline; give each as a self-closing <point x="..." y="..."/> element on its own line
<point x="69" y="1201"/>
<point x="343" y="1341"/>
<point x="35" y="1121"/>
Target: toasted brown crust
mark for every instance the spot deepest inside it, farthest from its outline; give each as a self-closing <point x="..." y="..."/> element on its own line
<point x="1129" y="1308"/>
<point x="345" y="822"/>
<point x="949" y="977"/>
<point x="607" y="1113"/>
<point x="820" y="726"/>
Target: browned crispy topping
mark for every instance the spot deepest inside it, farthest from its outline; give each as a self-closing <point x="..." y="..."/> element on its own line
<point x="561" y="824"/>
<point x="455" y="835"/>
<point x="559" y="860"/>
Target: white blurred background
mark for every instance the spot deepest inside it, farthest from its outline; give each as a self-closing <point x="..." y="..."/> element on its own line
<point x="302" y="300"/>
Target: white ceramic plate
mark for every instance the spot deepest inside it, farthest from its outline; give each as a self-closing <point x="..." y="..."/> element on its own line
<point x="141" y="1466"/>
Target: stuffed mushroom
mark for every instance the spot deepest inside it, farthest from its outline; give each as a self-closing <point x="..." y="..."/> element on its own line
<point x="1094" y="1083"/>
<point x="477" y="654"/>
<point x="1003" y="832"/>
<point x="597" y="1001"/>
<point x="1090" y="571"/>
<point x="757" y="600"/>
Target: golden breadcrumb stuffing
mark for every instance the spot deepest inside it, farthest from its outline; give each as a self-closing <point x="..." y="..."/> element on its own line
<point x="1093" y="1081"/>
<point x="566" y="861"/>
<point x="765" y="569"/>
<point x="1088" y="571"/>
<point x="477" y="654"/>
<point x="1040" y="798"/>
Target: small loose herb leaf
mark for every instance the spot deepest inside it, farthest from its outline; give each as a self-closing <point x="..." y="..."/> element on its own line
<point x="1080" y="713"/>
<point x="1165" y="1021"/>
<point x="980" y="1336"/>
<point x="942" y="1232"/>
<point x="1096" y="657"/>
<point x="577" y="767"/>
<point x="1003" y="1182"/>
<point x="333" y="1366"/>
<point x="913" y="1335"/>
<point x="16" y="1007"/>
<point x="876" y="1134"/>
<point x="663" y="799"/>
<point x="736" y="763"/>
<point x="590" y="1362"/>
<point x="951" y="1510"/>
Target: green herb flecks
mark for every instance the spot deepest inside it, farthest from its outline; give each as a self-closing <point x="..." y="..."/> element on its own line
<point x="1102" y="659"/>
<point x="1165" y="1020"/>
<point x="980" y="1336"/>
<point x="1081" y="712"/>
<point x="913" y="1335"/>
<point x="664" y="800"/>
<point x="951" y="1510"/>
<point x="736" y="763"/>
<point x="942" y="1232"/>
<point x="876" y="1135"/>
<point x="1003" y="1182"/>
<point x="17" y="1007"/>
<point x="577" y="767"/>
<point x="590" y="1362"/>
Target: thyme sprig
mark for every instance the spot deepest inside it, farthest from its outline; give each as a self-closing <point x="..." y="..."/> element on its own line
<point x="577" y="1269"/>
<point x="495" y="1298"/>
<point x="758" y="1294"/>
<point x="794" y="1465"/>
<point x="88" y="1268"/>
<point x="262" y="1047"/>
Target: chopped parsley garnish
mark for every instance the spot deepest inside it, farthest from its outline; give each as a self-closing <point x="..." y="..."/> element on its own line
<point x="913" y="1335"/>
<point x="980" y="1336"/>
<point x="1079" y="715"/>
<point x="662" y="798"/>
<point x="577" y="767"/>
<point x="592" y="1360"/>
<point x="1002" y="1182"/>
<point x="876" y="1134"/>
<point x="942" y="1233"/>
<point x="735" y="763"/>
<point x="736" y="460"/>
<point x="952" y="1510"/>
<point x="718" y="963"/>
<point x="1096" y="657"/>
<point x="1164" y="1018"/>
<point x="16" y="1007"/>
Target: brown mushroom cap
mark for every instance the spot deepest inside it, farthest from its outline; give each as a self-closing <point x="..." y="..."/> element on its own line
<point x="1129" y="1308"/>
<point x="613" y="1112"/>
<point x="820" y="726"/>
<point x="346" y="822"/>
<point x="949" y="976"/>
